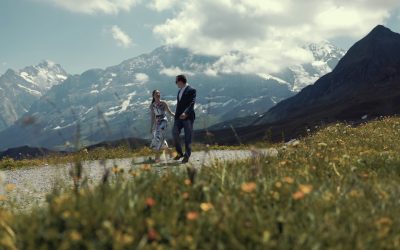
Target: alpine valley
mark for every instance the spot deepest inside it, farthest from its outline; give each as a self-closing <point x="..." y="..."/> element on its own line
<point x="41" y="107"/>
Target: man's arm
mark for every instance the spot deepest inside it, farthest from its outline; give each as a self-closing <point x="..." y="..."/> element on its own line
<point x="192" y="97"/>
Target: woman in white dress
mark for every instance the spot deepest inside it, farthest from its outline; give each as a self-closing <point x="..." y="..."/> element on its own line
<point x="159" y="123"/>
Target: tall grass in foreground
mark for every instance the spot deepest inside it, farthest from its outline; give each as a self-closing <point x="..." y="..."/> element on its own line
<point x="337" y="189"/>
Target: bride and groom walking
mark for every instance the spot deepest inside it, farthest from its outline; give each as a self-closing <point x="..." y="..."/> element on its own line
<point x="184" y="117"/>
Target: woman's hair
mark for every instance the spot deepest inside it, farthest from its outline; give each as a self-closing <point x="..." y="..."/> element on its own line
<point x="152" y="95"/>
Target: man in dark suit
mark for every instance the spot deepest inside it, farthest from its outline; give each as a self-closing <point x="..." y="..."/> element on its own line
<point x="184" y="117"/>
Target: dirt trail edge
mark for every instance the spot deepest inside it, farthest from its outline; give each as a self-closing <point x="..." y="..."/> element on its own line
<point x="33" y="183"/>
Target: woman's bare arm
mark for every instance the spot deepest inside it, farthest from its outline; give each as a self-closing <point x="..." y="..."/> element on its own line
<point x="153" y="118"/>
<point x="168" y="109"/>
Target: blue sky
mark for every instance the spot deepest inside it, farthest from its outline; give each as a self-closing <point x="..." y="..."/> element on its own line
<point x="80" y="37"/>
<point x="32" y="31"/>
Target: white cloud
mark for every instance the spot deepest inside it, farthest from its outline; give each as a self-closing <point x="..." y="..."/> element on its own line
<point x="95" y="6"/>
<point x="161" y="5"/>
<point x="141" y="78"/>
<point x="211" y="72"/>
<point x="174" y="71"/>
<point x="120" y="37"/>
<point x="261" y="36"/>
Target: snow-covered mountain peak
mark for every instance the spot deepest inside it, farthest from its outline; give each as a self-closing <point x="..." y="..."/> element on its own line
<point x="44" y="75"/>
<point x="326" y="56"/>
<point x="325" y="50"/>
<point x="47" y="64"/>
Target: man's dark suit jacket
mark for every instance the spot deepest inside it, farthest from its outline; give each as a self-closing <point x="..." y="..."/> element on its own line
<point x="186" y="104"/>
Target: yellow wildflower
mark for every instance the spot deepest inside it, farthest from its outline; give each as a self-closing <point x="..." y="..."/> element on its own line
<point x="146" y="167"/>
<point x="355" y="193"/>
<point x="125" y="239"/>
<point x="134" y="173"/>
<point x="288" y="180"/>
<point x="306" y="189"/>
<point x="383" y="225"/>
<point x="10" y="187"/>
<point x="282" y="163"/>
<point x="75" y="235"/>
<point x="206" y="206"/>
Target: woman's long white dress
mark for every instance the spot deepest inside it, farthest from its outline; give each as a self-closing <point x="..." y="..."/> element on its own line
<point x="161" y="124"/>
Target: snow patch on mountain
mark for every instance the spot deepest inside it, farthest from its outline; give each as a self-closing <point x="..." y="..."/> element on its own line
<point x="270" y="77"/>
<point x="27" y="77"/>
<point x="123" y="107"/>
<point x="303" y="78"/>
<point x="326" y="56"/>
<point x="31" y="91"/>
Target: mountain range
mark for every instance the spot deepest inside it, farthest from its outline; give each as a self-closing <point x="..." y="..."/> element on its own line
<point x="364" y="85"/>
<point x="112" y="103"/>
<point x="20" y="89"/>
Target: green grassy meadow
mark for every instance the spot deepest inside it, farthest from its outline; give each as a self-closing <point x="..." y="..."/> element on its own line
<point x="336" y="189"/>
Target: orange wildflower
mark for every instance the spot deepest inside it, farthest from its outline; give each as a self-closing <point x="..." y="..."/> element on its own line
<point x="298" y="195"/>
<point x="192" y="215"/>
<point x="152" y="234"/>
<point x="150" y="202"/>
<point x="249" y="187"/>
<point x="115" y="170"/>
<point x="134" y="173"/>
<point x="146" y="167"/>
<point x="185" y="195"/>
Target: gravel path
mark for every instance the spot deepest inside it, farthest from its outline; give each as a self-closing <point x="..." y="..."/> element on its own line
<point x="31" y="184"/>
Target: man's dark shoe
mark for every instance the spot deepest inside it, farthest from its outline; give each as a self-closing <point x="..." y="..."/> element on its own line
<point x="185" y="159"/>
<point x="177" y="157"/>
